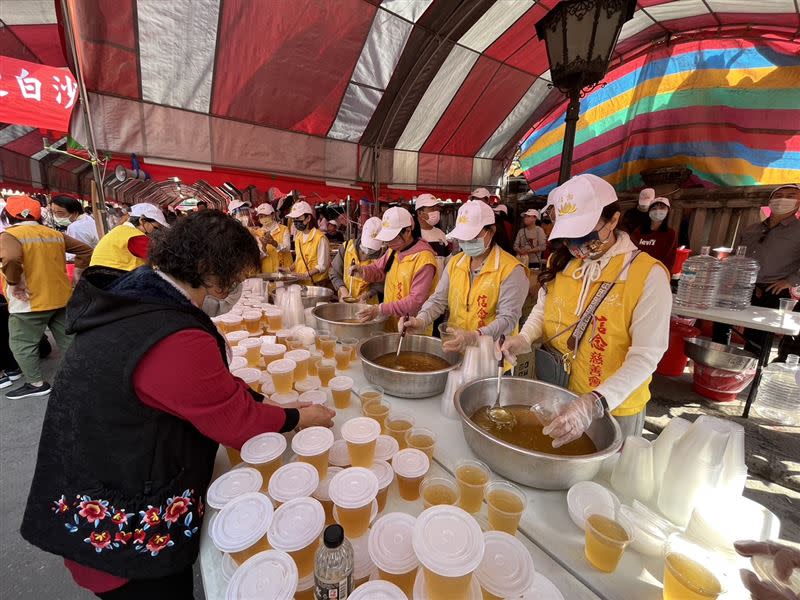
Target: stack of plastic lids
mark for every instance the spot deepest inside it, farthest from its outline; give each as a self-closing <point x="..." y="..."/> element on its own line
<point x="650" y="532"/>
<point x="699" y="283"/>
<point x="737" y="281"/>
<point x="779" y="393"/>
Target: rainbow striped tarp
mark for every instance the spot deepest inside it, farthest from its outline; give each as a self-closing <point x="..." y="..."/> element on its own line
<point x="728" y="109"/>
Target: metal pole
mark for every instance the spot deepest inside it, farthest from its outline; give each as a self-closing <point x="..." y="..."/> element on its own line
<point x="349" y="218"/>
<point x="571" y="124"/>
<point x="102" y="212"/>
<point x="376" y="182"/>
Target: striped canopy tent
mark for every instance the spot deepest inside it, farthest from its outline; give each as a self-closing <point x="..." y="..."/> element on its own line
<point x="391" y="94"/>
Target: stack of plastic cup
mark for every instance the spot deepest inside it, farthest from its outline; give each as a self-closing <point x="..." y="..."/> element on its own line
<point x="295" y="480"/>
<point x="391" y="549"/>
<point x="251" y="377"/>
<point x="385" y="474"/>
<point x="363" y="567"/>
<point x="264" y="452"/>
<point x="378" y="590"/>
<point x="454" y="380"/>
<point x="339" y="455"/>
<point x="270" y="575"/>
<point x="240" y="527"/>
<point x="301" y="358"/>
<point x="398" y="424"/>
<point x="231" y="485"/>
<point x="632" y="477"/>
<point x="272" y="352"/>
<point x="282" y="373"/>
<point x="663" y="445"/>
<point x="322" y="493"/>
<point x="252" y="346"/>
<point x="361" y="435"/>
<point x="410" y="466"/>
<point x="386" y="447"/>
<point x="447" y="566"/>
<point x="296" y="529"/>
<point x="507" y="567"/>
<point x="353" y="492"/>
<point x="313" y="445"/>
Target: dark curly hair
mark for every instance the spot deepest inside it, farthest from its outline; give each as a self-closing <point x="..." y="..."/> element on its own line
<point x="205" y="244"/>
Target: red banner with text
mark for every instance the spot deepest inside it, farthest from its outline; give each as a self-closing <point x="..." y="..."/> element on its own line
<point x="36" y="95"/>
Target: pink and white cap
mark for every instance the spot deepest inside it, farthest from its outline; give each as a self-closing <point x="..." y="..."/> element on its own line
<point x="232" y="484"/>
<point x="361" y="430"/>
<point x="579" y="203"/>
<point x="426" y="200"/>
<point x="296" y="524"/>
<point x="390" y="543"/>
<point x="448" y="541"/>
<point x="295" y="480"/>
<point x="312" y="441"/>
<point x="411" y="463"/>
<point x="378" y="590"/>
<point x="394" y="221"/>
<point x="384" y="472"/>
<point x="369" y="233"/>
<point x="386" y="447"/>
<point x="263" y="448"/>
<point x="322" y="493"/>
<point x="268" y="575"/>
<point x="353" y="487"/>
<point x="242" y="522"/>
<point x="507" y="567"/>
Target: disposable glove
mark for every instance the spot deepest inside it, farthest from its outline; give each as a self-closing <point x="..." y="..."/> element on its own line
<point x="370" y="313"/>
<point x="460" y="340"/>
<point x="574" y="419"/>
<point x="410" y="325"/>
<point x="785" y="560"/>
<point x="513" y="347"/>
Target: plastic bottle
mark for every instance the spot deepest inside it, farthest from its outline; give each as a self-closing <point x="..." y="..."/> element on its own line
<point x="737" y="280"/>
<point x="333" y="566"/>
<point x="779" y="393"/>
<point x="699" y="283"/>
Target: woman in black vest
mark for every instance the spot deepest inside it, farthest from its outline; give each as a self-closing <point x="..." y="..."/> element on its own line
<point x="139" y="406"/>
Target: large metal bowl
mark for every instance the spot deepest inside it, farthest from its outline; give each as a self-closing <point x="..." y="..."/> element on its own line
<point x="330" y="316"/>
<point x="718" y="356"/>
<point x="528" y="467"/>
<point x="406" y="384"/>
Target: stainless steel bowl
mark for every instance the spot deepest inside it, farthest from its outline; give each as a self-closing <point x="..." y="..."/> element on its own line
<point x="718" y="356"/>
<point x="528" y="467"/>
<point x="406" y="384"/>
<point x="330" y="316"/>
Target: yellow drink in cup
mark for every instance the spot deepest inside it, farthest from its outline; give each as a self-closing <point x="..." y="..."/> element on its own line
<point x="312" y="445"/>
<point x="252" y="321"/>
<point x="390" y="548"/>
<point x="322" y="493"/>
<point x="282" y="336"/>
<point x="353" y="491"/>
<point x="252" y="377"/>
<point x="472" y="477"/>
<point x="300" y="358"/>
<point x="264" y="452"/>
<point x="354" y="521"/>
<point x="438" y="490"/>
<point x="421" y="439"/>
<point x="230" y="322"/>
<point x="234" y="337"/>
<point x="241" y="526"/>
<point x="313" y="363"/>
<point x="295" y="343"/>
<point x="352" y="344"/>
<point x="378" y="411"/>
<point x="296" y="528"/>
<point x="342" y="356"/>
<point x="506" y="504"/>
<point x="370" y="393"/>
<point x="326" y="371"/>
<point x="507" y="567"/>
<point x="234" y="457"/>
<point x="252" y="348"/>
<point x="410" y="467"/>
<point x="606" y="540"/>
<point x="272" y="352"/>
<point x="327" y="345"/>
<point x="397" y="425"/>
<point x="361" y="435"/>
<point x="341" y="389"/>
<point x="282" y="373"/>
<point x="274" y="315"/>
<point x="385" y="474"/>
<point x="687" y="579"/>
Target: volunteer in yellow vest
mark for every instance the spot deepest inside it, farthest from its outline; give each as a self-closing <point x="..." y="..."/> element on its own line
<point x="312" y="251"/>
<point x="362" y="251"/>
<point x="274" y="240"/>
<point x="408" y="270"/>
<point x="613" y="363"/>
<point x="35" y="284"/>
<point x="483" y="285"/>
<point x="124" y="248"/>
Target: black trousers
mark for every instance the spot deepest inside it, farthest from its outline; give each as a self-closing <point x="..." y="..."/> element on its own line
<point x="173" y="587"/>
<point x="7" y="362"/>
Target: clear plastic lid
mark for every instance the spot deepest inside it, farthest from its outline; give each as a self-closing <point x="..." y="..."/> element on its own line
<point x="363" y="565"/>
<point x="284" y="365"/>
<point x="590" y="498"/>
<point x="410" y="463"/>
<point x="542" y="589"/>
<point x="372" y="513"/>
<point x="271" y="311"/>
<point x="283" y="333"/>
<point x="296" y="524"/>
<point x="267" y="387"/>
<point x="378" y="590"/>
<point x="284" y="398"/>
<point x="269" y="575"/>
<point x="295" y="480"/>
<point x="248" y="375"/>
<point x="448" y="541"/>
<point x="298" y="355"/>
<point x="390" y="543"/>
<point x="238" y="363"/>
<point x="341" y="383"/>
<point x="250" y="343"/>
<point x="384" y="472"/>
<point x="306" y="583"/>
<point x="339" y="455"/>
<point x="242" y="522"/>
<point x="312" y="441"/>
<point x="507" y="566"/>
<point x="249" y="315"/>
<point x="263" y="448"/>
<point x="229" y="566"/>
<point x="353" y="487"/>
<point x="386" y="447"/>
<point x="234" y="483"/>
<point x="313" y="396"/>
<point x="322" y="492"/>
<point x="308" y="384"/>
<point x="272" y="349"/>
<point x="420" y="593"/>
<point x="238" y="351"/>
<point x="230" y="319"/>
<point x="361" y="430"/>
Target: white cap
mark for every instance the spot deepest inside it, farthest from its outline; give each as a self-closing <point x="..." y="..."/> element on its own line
<point x="390" y="543"/>
<point x="242" y="522"/>
<point x="424" y="200"/>
<point x="501" y="208"/>
<point x="250" y="342"/>
<point x="660" y="199"/>
<point x="295" y="480"/>
<point x="532" y="212"/>
<point x="312" y="441"/>
<point x="232" y="484"/>
<point x="353" y="487"/>
<point x="299" y="209"/>
<point x="578" y="204"/>
<point x="361" y="430"/>
<point x="394" y="220"/>
<point x="448" y="541"/>
<point x="646" y="197"/>
<point x="296" y="524"/>
<point x="149" y="211"/>
<point x="411" y="463"/>
<point x="507" y="567"/>
<point x="339" y="456"/>
<point x="384" y="472"/>
<point x="378" y="590"/>
<point x="323" y="489"/>
<point x="472" y="217"/>
<point x="368" y="232"/>
<point x="268" y="575"/>
<point x="236" y="204"/>
<point x="265" y="209"/>
<point x="481" y="192"/>
<point x="263" y="448"/>
<point x="283" y="365"/>
<point x="386" y="447"/>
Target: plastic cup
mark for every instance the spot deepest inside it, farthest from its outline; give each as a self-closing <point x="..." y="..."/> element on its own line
<point x="353" y="491"/>
<point x="361" y="436"/>
<point x="378" y="590"/>
<point x="687" y="579"/>
<point x="506" y="570"/>
<point x="272" y="352"/>
<point x="379" y="411"/>
<point x="506" y="504"/>
<point x="385" y="474"/>
<point x="270" y="575"/>
<point x="312" y="396"/>
<point x="232" y="484"/>
<point x="282" y="373"/>
<point x="300" y="357"/>
<point x="327" y="345"/>
<point x="421" y="439"/>
<point x="397" y="425"/>
<point x="252" y="348"/>
<point x="240" y="527"/>
<point x="228" y="567"/>
<point x="447" y="566"/>
<point x="293" y="480"/>
<point x="282" y="335"/>
<point x="290" y="398"/>
<point x="410" y="466"/>
<point x="309" y="384"/>
<point x="312" y="446"/>
<point x="370" y="393"/>
<point x="234" y="457"/>
<point x="295" y="529"/>
<point x="326" y="370"/>
<point x="322" y="493"/>
<point x="250" y="376"/>
<point x="446" y="332"/>
<point x="237" y="362"/>
<point x="352" y="344"/>
<point x="386" y="447"/>
<point x="339" y="455"/>
<point x="230" y="322"/>
<point x="606" y="540"/>
<point x="363" y="567"/>
<point x="240" y="352"/>
<point x="342" y="356"/>
<point x="341" y="390"/>
<point x="439" y="490"/>
<point x="313" y="363"/>
<point x="274" y="315"/>
<point x="264" y="452"/>
<point x="391" y="549"/>
<point x="235" y="337"/>
<point x="252" y="321"/>
<point x="472" y="477"/>
<point x="305" y="588"/>
<point x="294" y="343"/>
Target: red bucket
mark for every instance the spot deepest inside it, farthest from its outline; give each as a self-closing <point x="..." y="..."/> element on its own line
<point x="674" y="360"/>
<point x="718" y="384"/>
<point x="681" y="254"/>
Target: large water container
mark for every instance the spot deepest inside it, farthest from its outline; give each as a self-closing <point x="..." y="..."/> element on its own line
<point x="737" y="280"/>
<point x="699" y="281"/>
<point x="779" y="393"/>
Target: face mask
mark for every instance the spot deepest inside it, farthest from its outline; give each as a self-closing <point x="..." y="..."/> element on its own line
<point x="300" y="225"/>
<point x="397" y="244"/>
<point x="588" y="246"/>
<point x="367" y="251"/>
<point x="474" y="247"/>
<point x="433" y="217"/>
<point x="782" y="205"/>
<point x="659" y="214"/>
<point x="62" y="221"/>
<point x="265" y="221"/>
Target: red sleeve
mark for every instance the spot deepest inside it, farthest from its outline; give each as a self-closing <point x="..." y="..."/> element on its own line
<point x="673" y="248"/>
<point x="138" y="246"/>
<point x="376" y="271"/>
<point x="185" y="376"/>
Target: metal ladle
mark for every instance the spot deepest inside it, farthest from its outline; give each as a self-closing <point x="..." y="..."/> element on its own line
<point x="502" y="417"/>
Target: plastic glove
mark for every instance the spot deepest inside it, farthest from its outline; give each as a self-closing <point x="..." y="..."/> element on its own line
<point x="356" y="271"/>
<point x="574" y="419"/>
<point x="364" y="298"/>
<point x="460" y="340"/>
<point x="370" y="313"/>
<point x="513" y="347"/>
<point x="316" y="415"/>
<point x="343" y="293"/>
<point x="19" y="291"/>
<point x="785" y="560"/>
<point x="410" y="324"/>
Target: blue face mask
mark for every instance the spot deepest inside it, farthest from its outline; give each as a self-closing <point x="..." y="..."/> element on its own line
<point x="474" y="247"/>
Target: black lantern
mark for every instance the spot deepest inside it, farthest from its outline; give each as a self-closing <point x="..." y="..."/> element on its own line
<point x="580" y="36"/>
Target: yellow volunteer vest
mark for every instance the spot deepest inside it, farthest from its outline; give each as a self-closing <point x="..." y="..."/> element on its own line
<point x="112" y="250"/>
<point x="474" y="306"/>
<point x="43" y="266"/>
<point x="359" y="285"/>
<point x="602" y="354"/>
<point x="306" y="255"/>
<point x="270" y="260"/>
<point x="399" y="278"/>
<point x="284" y="258"/>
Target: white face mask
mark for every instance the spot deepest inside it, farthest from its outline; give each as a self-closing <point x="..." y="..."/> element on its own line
<point x="782" y="205"/>
<point x="433" y="217"/>
<point x="659" y="214"/>
<point x="62" y="221"/>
